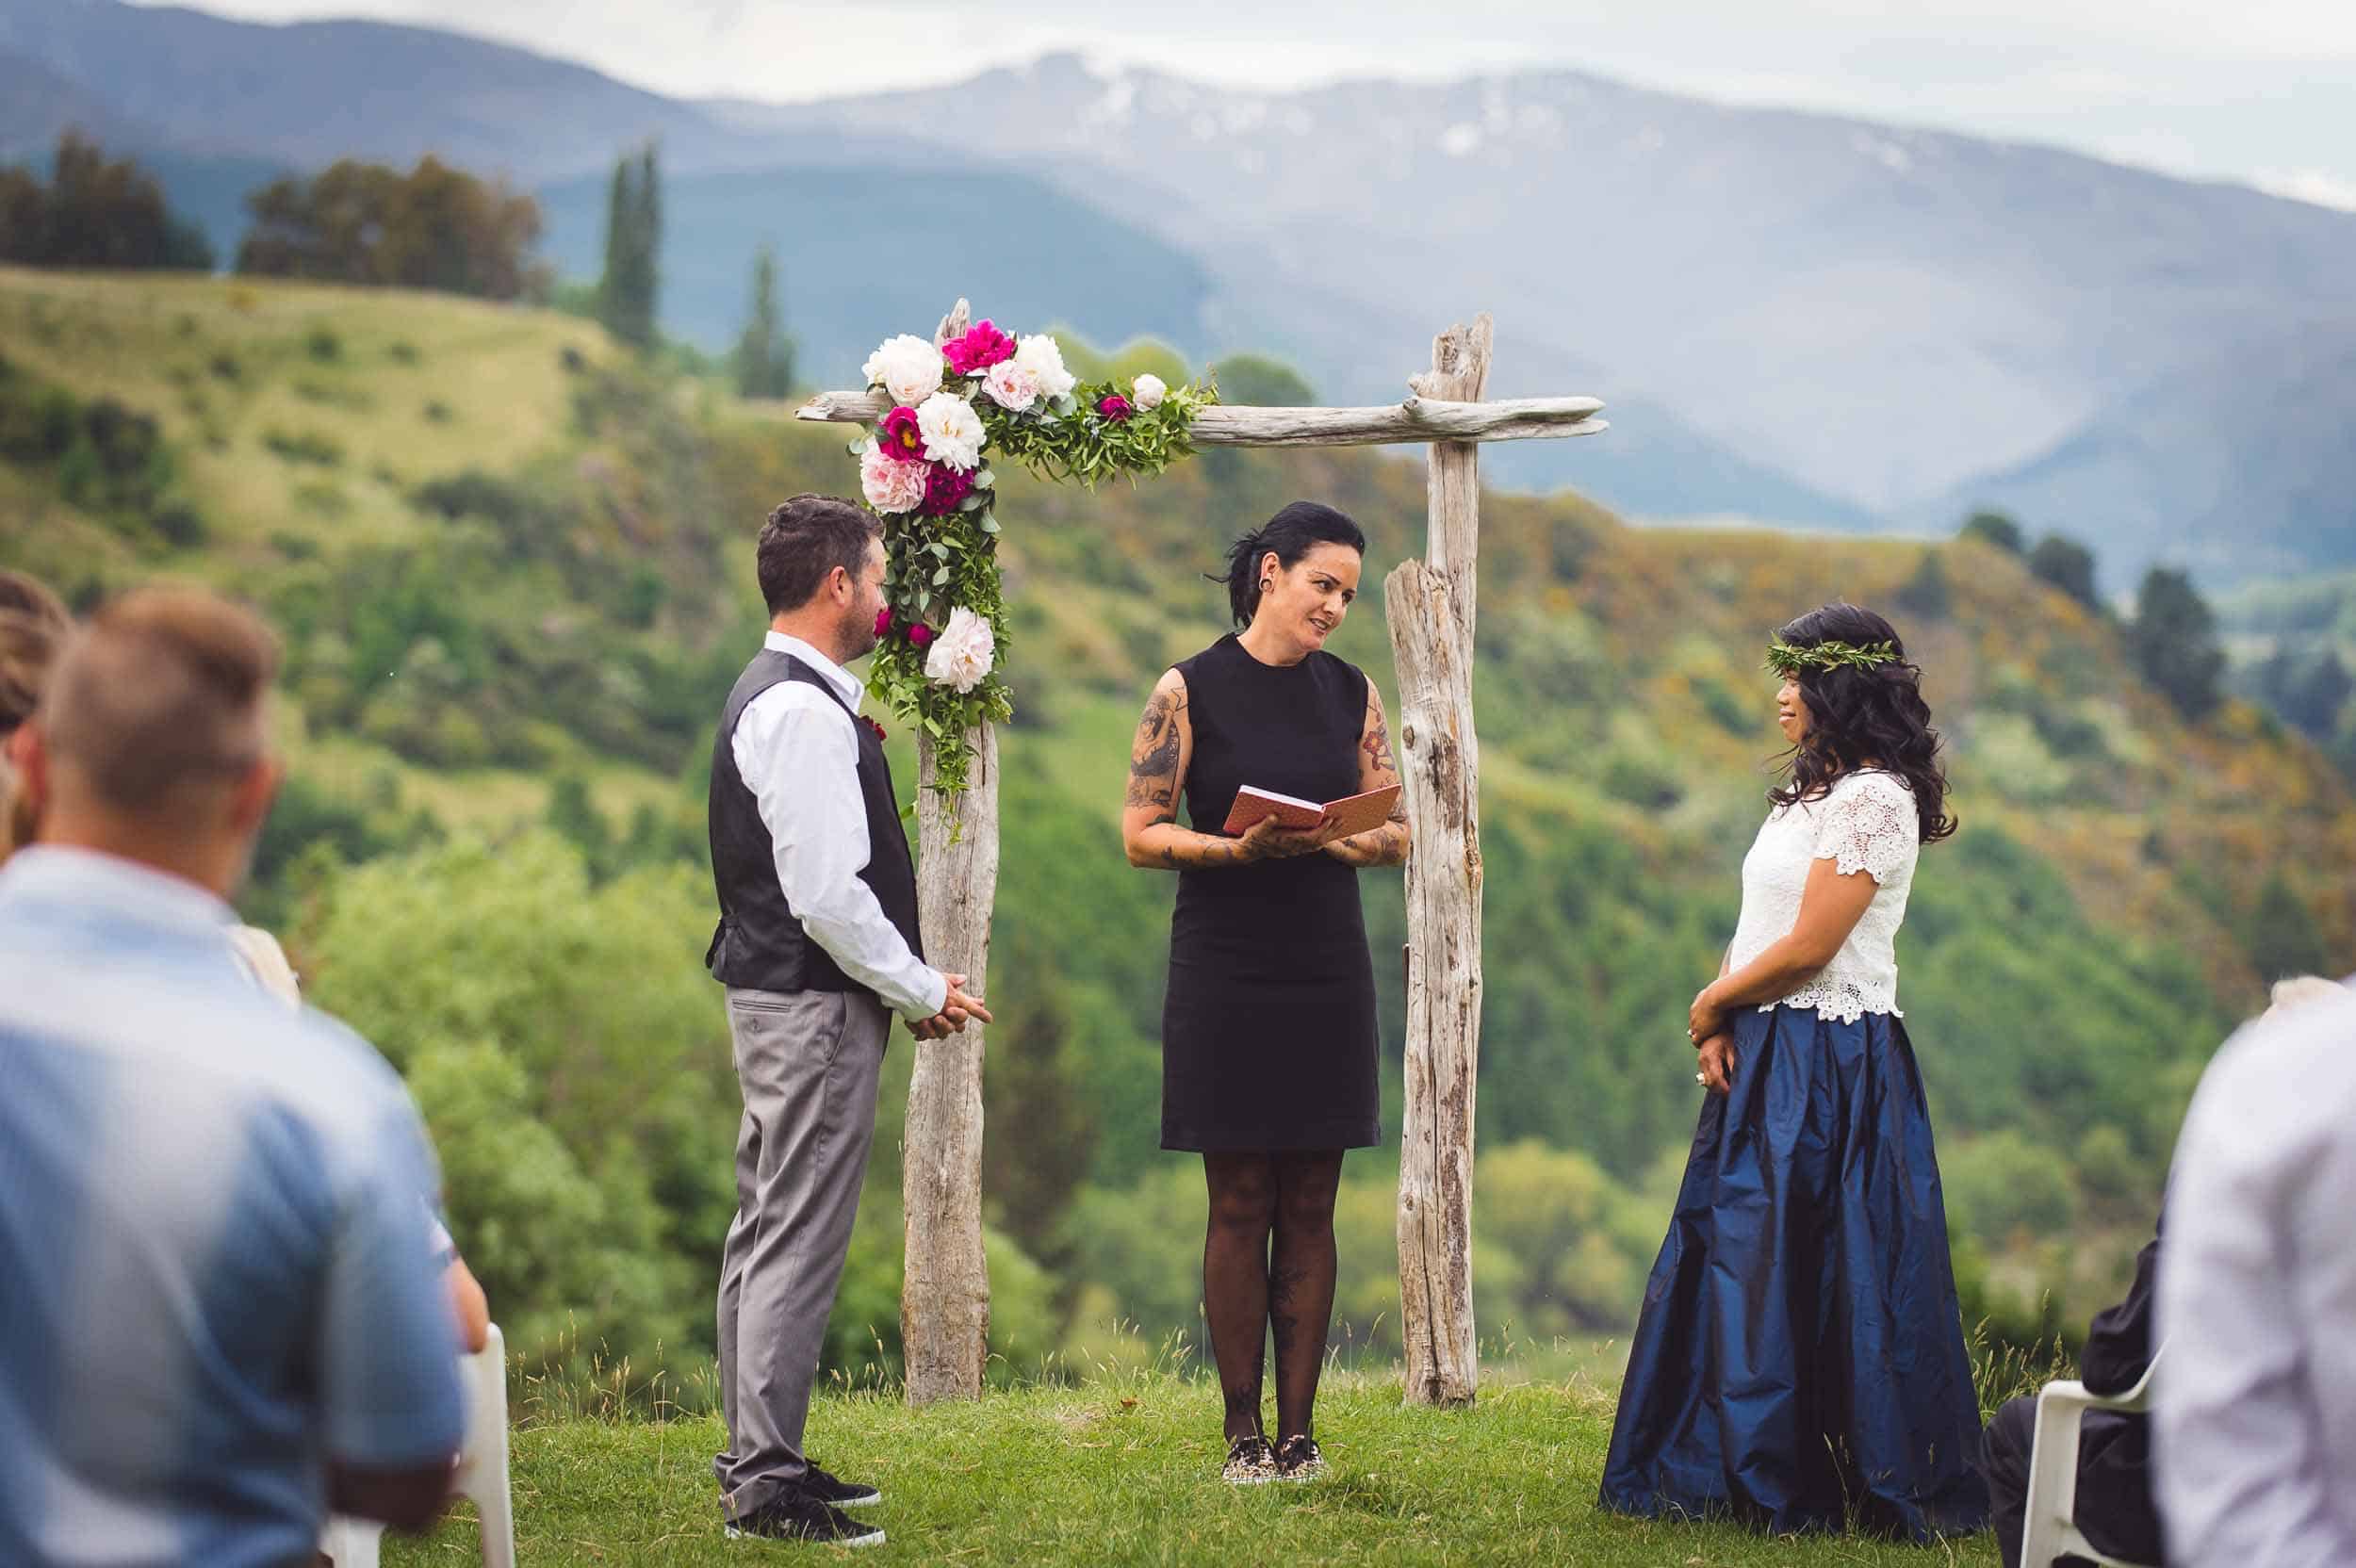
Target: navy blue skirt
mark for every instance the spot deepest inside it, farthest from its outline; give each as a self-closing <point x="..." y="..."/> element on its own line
<point x="1799" y="1362"/>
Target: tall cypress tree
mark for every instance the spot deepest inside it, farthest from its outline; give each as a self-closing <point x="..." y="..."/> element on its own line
<point x="650" y="231"/>
<point x="764" y="355"/>
<point x="633" y="221"/>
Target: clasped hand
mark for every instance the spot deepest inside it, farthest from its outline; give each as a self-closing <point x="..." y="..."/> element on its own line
<point x="955" y="1011"/>
<point x="1707" y="1027"/>
<point x="1270" y="840"/>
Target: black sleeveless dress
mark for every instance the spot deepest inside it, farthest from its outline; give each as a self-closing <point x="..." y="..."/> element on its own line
<point x="1268" y="1027"/>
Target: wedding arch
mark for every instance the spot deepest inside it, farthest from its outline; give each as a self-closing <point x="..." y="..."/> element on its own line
<point x="924" y="467"/>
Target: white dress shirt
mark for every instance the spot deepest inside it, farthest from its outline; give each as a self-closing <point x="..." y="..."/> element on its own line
<point x="2256" y="1403"/>
<point x="797" y="752"/>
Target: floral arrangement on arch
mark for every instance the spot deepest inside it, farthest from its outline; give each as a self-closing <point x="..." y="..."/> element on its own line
<point x="925" y="469"/>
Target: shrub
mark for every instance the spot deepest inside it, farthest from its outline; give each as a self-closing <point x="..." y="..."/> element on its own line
<point x="1993" y="527"/>
<point x="180" y="525"/>
<point x="322" y="344"/>
<point x="2001" y="1184"/>
<point x="304" y="447"/>
<point x="438" y="412"/>
<point x="403" y="351"/>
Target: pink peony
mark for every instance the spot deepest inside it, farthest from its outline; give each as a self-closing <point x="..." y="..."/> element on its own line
<point x="1114" y="407"/>
<point x="899" y="436"/>
<point x="944" y="487"/>
<point x="890" y="485"/>
<point x="1010" y="386"/>
<point x="883" y="623"/>
<point x="921" y="635"/>
<point x="978" y="350"/>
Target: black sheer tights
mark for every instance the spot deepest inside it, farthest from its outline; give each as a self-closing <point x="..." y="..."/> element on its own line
<point x="1267" y="1264"/>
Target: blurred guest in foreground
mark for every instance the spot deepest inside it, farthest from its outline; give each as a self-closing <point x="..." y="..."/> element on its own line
<point x="2114" y="1510"/>
<point x="221" y="1314"/>
<point x="2256" y="1408"/>
<point x="33" y="628"/>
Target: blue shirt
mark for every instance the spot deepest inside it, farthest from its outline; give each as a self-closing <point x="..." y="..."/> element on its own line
<point x="212" y="1276"/>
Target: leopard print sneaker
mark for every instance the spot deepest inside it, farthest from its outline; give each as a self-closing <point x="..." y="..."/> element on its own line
<point x="1249" y="1462"/>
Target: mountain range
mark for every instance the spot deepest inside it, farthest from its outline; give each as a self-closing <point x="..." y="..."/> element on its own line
<point x="1797" y="318"/>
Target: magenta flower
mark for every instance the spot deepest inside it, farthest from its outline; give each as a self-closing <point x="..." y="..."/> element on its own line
<point x="982" y="346"/>
<point x="921" y="635"/>
<point x="1114" y="407"/>
<point x="883" y="622"/>
<point x="944" y="487"/>
<point x="900" y="437"/>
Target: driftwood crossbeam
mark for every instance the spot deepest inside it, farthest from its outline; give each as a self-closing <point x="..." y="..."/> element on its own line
<point x="944" y="1311"/>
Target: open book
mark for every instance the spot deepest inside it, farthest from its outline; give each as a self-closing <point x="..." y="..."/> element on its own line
<point x="1358" y="813"/>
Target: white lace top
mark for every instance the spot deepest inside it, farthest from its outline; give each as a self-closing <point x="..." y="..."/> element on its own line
<point x="1865" y="821"/>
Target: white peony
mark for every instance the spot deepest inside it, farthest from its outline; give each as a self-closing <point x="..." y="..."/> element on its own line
<point x="890" y="484"/>
<point x="1039" y="355"/>
<point x="953" y="431"/>
<point x="1010" y="386"/>
<point x="907" y="367"/>
<point x="1148" y="392"/>
<point x="963" y="654"/>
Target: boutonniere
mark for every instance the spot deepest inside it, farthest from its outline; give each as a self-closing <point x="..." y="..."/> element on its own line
<point x="873" y="729"/>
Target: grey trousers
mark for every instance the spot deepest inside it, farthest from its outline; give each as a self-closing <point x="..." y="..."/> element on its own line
<point x="806" y="1062"/>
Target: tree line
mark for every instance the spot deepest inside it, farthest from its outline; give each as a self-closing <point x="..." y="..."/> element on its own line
<point x="432" y="227"/>
<point x="94" y="211"/>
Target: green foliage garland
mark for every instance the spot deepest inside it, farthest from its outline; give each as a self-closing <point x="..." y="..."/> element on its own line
<point x="1790" y="660"/>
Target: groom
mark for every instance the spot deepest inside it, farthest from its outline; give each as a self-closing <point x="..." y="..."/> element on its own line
<point x="818" y="947"/>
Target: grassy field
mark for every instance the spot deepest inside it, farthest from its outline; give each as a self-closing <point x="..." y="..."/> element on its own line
<point x="1124" y="1470"/>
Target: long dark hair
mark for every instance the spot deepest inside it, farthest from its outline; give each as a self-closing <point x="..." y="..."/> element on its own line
<point x="1859" y="714"/>
<point x="1291" y="533"/>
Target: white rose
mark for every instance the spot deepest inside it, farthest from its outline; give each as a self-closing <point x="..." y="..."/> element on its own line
<point x="1039" y="355"/>
<point x="907" y="367"/>
<point x="953" y="431"/>
<point x="1148" y="392"/>
<point x="962" y="653"/>
<point x="890" y="484"/>
<point x="1010" y="386"/>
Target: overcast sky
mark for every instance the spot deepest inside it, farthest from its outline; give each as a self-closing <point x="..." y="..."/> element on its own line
<point x="2260" y="91"/>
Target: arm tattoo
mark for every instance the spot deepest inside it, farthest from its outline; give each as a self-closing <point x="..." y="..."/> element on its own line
<point x="1153" y="761"/>
<point x="1377" y="745"/>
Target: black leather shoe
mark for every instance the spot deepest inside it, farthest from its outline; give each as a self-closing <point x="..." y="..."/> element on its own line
<point x="798" y="1516"/>
<point x="833" y="1490"/>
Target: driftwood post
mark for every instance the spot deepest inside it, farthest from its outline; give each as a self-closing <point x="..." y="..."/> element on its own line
<point x="945" y="1299"/>
<point x="1429" y="603"/>
<point x="945" y="1306"/>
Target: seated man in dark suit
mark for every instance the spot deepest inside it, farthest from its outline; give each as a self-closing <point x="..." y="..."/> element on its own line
<point x="2115" y="1509"/>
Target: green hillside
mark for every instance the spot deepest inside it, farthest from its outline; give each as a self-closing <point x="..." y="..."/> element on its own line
<point x="513" y="572"/>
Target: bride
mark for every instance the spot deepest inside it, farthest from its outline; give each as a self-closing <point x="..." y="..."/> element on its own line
<point x="1800" y="1362"/>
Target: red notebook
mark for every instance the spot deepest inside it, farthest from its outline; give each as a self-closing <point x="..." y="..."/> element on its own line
<point x="1358" y="813"/>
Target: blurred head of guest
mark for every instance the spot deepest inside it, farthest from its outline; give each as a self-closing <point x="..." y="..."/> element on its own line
<point x="152" y="740"/>
<point x="33" y="628"/>
<point x="2300" y="990"/>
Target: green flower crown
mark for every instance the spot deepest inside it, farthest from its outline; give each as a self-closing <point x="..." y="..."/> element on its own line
<point x="1792" y="661"/>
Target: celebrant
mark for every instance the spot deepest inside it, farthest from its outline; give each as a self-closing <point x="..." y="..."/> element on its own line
<point x="1268" y="1028"/>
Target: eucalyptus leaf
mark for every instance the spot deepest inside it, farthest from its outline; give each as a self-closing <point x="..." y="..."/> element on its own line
<point x="985" y="480"/>
<point x="987" y="523"/>
<point x="973" y="502"/>
<point x="941" y="576"/>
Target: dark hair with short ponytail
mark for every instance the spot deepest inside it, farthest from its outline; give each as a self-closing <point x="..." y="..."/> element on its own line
<point x="1291" y="533"/>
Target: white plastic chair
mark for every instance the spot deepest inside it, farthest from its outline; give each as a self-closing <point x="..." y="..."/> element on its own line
<point x="480" y="1476"/>
<point x="2051" y="1528"/>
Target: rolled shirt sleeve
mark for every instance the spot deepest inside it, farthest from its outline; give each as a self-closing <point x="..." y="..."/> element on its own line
<point x="798" y="753"/>
<point x="389" y="1342"/>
